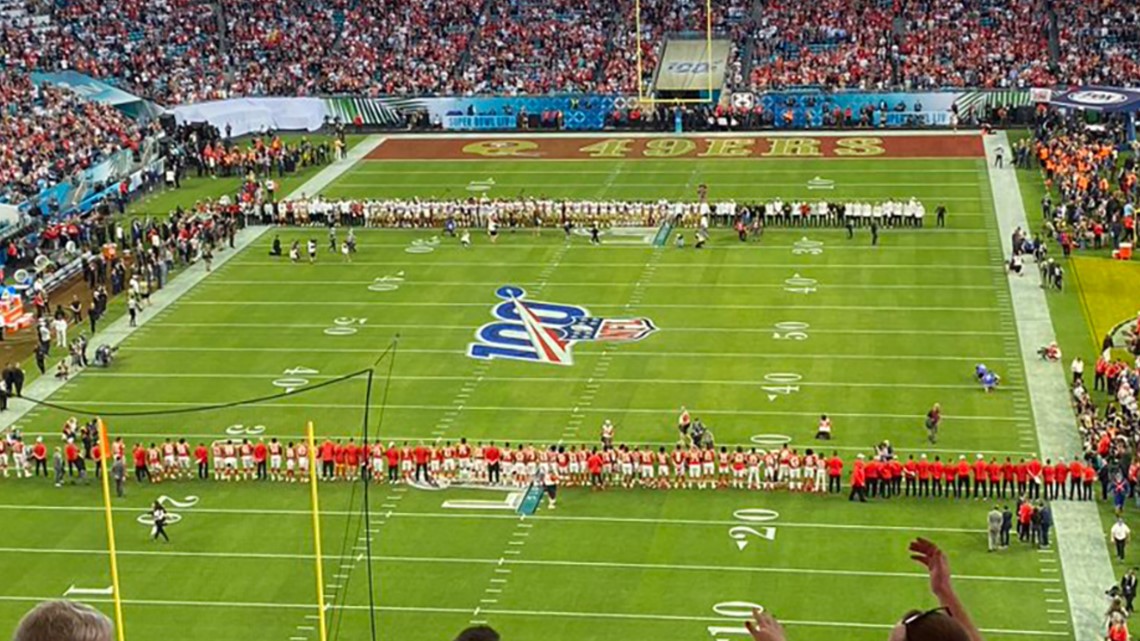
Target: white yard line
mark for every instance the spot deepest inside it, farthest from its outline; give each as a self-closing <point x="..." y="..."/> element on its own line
<point x="613" y="411"/>
<point x="546" y="516"/>
<point x="517" y="563"/>
<point x="464" y="611"/>
<point x="924" y="287"/>
<point x="544" y="380"/>
<point x="1029" y="451"/>
<point x="705" y="307"/>
<point x="971" y="360"/>
<point x="1080" y="539"/>
<point x="853" y="331"/>
<point x="491" y="264"/>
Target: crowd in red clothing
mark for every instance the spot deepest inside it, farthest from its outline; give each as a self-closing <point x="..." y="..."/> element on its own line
<point x="925" y="476"/>
<point x="179" y="51"/>
<point x="47" y="133"/>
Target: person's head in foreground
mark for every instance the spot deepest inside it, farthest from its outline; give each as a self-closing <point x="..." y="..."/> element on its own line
<point x="64" y="621"/>
<point x="478" y="633"/>
<point x="948" y="622"/>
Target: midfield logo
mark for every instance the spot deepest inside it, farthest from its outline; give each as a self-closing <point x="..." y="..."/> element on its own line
<point x="528" y="330"/>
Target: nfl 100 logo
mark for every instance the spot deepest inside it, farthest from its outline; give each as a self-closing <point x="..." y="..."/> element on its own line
<point x="538" y="331"/>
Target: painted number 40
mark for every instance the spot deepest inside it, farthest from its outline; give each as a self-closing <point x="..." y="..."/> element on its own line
<point x="345" y="326"/>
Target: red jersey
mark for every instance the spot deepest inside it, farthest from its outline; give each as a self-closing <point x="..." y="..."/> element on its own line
<point x="200" y="454"/>
<point x="259" y="452"/>
<point x="834" y="466"/>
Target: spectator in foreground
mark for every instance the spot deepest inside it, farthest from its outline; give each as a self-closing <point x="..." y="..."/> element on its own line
<point x="64" y="621"/>
<point x="478" y="633"/>
<point x="948" y="622"/>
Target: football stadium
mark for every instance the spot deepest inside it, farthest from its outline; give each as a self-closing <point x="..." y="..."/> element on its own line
<point x="524" y="319"/>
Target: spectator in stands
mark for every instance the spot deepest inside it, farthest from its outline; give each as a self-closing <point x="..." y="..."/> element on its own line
<point x="64" y="621"/>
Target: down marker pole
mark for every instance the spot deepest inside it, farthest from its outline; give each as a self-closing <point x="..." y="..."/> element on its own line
<point x="321" y="625"/>
<point x="116" y="597"/>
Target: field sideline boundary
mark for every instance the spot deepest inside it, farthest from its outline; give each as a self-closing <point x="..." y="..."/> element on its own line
<point x="1080" y="541"/>
<point x="835" y="133"/>
<point x="119" y="330"/>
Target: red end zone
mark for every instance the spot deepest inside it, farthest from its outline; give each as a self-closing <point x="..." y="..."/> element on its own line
<point x="620" y="148"/>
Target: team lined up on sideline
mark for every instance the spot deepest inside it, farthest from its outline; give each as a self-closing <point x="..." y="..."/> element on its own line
<point x="597" y="466"/>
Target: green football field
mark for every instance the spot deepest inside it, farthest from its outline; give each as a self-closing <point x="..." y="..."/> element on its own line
<point x="757" y="339"/>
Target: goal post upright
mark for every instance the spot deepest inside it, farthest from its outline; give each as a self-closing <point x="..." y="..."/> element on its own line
<point x="317" y="556"/>
<point x="105" y="475"/>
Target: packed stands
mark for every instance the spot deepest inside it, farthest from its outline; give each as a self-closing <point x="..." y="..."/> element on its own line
<point x="48" y="133"/>
<point x="178" y="51"/>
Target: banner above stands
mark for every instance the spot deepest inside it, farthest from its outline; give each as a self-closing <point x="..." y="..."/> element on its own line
<point x="583" y="112"/>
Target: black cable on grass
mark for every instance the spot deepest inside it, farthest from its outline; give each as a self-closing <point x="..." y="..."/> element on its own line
<point x="201" y="408"/>
<point x="367" y="505"/>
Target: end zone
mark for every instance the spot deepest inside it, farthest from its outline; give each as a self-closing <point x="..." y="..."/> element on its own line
<point x="833" y="145"/>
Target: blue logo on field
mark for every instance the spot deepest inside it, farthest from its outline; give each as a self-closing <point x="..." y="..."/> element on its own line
<point x="528" y="330"/>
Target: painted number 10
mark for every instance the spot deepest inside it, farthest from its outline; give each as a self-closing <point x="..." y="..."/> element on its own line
<point x="733" y="611"/>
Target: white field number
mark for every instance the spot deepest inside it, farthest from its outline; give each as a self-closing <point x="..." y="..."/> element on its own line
<point x="388" y="283"/>
<point x="345" y="326"/>
<point x="733" y="611"/>
<point x="790" y="331"/>
<point x="742" y="535"/>
<point x="294" y="378"/>
<point x="420" y="246"/>
<point x="780" y="384"/>
<point x="147" y="519"/>
<point x="805" y="247"/>
<point x="241" y="429"/>
<point x="800" y="285"/>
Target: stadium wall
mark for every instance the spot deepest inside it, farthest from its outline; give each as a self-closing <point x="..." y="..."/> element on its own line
<point x="584" y="112"/>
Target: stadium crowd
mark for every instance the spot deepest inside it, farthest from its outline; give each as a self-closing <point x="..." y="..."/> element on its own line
<point x="47" y="133"/>
<point x="180" y="51"/>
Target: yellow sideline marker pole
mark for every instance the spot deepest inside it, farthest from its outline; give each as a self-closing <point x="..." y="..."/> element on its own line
<point x="105" y="454"/>
<point x="316" y="532"/>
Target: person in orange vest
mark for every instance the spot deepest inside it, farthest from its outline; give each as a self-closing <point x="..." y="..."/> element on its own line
<point x="1035" y="480"/>
<point x="858" y="481"/>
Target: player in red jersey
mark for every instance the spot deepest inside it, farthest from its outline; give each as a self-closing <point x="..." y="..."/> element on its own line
<point x="1061" y="472"/>
<point x="260" y="460"/>
<point x="202" y="460"/>
<point x="662" y="460"/>
<point x="306" y="460"/>
<point x="290" y="463"/>
<point x="937" y="470"/>
<point x="594" y="465"/>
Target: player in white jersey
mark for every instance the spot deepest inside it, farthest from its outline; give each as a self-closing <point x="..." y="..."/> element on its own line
<point x="229" y="458"/>
<point x="290" y="463"/>
<point x="753" y="470"/>
<point x="182" y="452"/>
<point x="771" y="470"/>
<point x="275" y="457"/>
<point x="795" y="472"/>
<point x="4" y="455"/>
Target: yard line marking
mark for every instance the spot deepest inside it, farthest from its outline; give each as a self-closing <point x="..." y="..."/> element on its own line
<point x="545" y="380"/>
<point x="751" y="267"/>
<point x="1056" y="611"/>
<point x="306" y="627"/>
<point x="925" y="358"/>
<point x="488" y="600"/>
<point x="512" y="552"/>
<point x="526" y="613"/>
<point x="1053" y="590"/>
<point x="498" y="580"/>
<point x="1054" y="600"/>
<point x="235" y="304"/>
<point x="1058" y="622"/>
<point x="703" y="330"/>
<point x="605" y="565"/>
<point x="600" y="284"/>
<point x="841" y="448"/>
<point x="560" y="410"/>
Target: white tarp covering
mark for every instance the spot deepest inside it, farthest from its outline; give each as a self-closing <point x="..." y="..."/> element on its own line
<point x="685" y="65"/>
<point x="249" y="115"/>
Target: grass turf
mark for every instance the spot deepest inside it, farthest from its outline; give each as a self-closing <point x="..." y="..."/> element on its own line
<point x="892" y="329"/>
